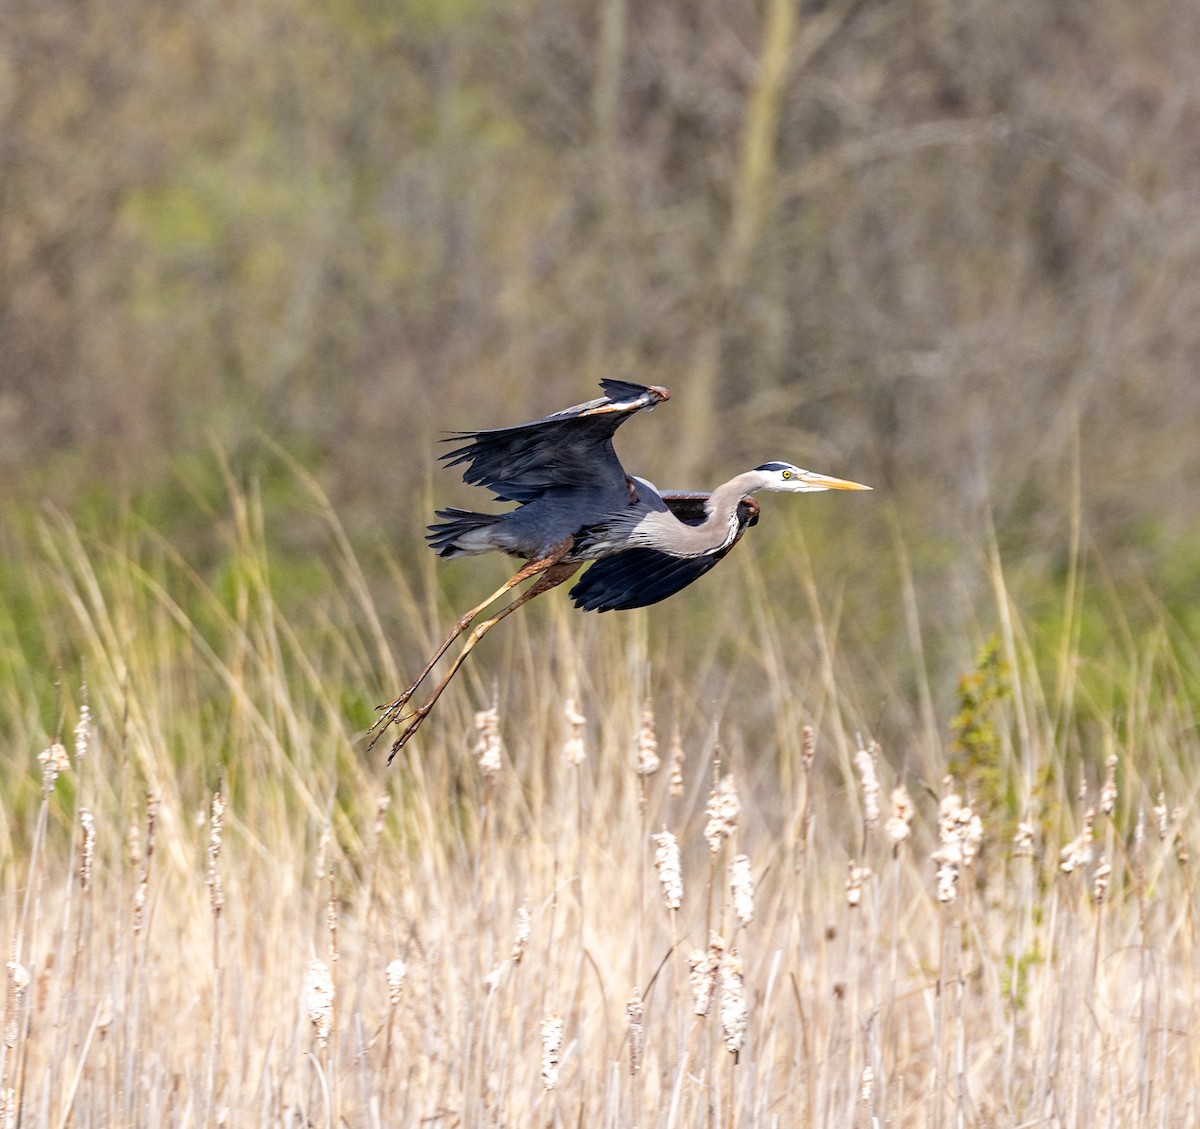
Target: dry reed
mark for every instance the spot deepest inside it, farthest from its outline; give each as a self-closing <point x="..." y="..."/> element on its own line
<point x="927" y="967"/>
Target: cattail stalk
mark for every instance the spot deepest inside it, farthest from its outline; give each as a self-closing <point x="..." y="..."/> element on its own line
<point x="331" y="923"/>
<point x="395" y="974"/>
<point x="1139" y="883"/>
<point x="216" y="901"/>
<point x="139" y="929"/>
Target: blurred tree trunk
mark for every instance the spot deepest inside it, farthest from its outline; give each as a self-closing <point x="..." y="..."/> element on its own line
<point x="607" y="185"/>
<point x="748" y="213"/>
<point x="609" y="63"/>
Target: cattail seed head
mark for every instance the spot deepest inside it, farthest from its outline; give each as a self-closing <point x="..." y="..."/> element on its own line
<point x="488" y="746"/>
<point x="152" y="801"/>
<point x="139" y="904"/>
<point x="855" y="878"/>
<point x="741" y="888"/>
<point x="553" y="1030"/>
<point x="88" y="852"/>
<point x="524" y="932"/>
<point x="18" y="983"/>
<point x="1023" y="840"/>
<point x="1077" y="854"/>
<point x="382" y="805"/>
<point x="722" y="810"/>
<point x="703" y="975"/>
<point x="54" y="760"/>
<point x="1108" y="790"/>
<point x="676" y="781"/>
<point x="668" y="867"/>
<point x="898" y="827"/>
<point x="972" y="835"/>
<point x="947" y="878"/>
<point x="83" y="729"/>
<point x="648" y="761"/>
<point x="396" y="973"/>
<point x="1162" y="816"/>
<point x="637" y="1032"/>
<point x="864" y="761"/>
<point x="1139" y="850"/>
<point x="960" y="833"/>
<point x="331" y="918"/>
<point x="808" y="747"/>
<point x="1100" y="881"/>
<point x="143" y="887"/>
<point x="318" y="999"/>
<point x="216" y="893"/>
<point x="133" y="840"/>
<point x="574" y="749"/>
<point x="733" y="1009"/>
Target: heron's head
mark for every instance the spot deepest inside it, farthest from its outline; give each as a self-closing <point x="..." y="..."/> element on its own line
<point x="785" y="476"/>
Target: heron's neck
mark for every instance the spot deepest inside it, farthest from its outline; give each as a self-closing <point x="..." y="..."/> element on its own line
<point x="723" y="501"/>
<point x="719" y="529"/>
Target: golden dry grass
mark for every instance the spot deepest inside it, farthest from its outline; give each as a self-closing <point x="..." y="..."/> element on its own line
<point x="181" y="986"/>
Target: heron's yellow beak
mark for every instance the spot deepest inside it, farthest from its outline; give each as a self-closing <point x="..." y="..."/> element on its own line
<point x="826" y="482"/>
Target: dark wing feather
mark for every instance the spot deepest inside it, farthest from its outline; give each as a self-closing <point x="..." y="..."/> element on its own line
<point x="637" y="578"/>
<point x="691" y="509"/>
<point x="569" y="448"/>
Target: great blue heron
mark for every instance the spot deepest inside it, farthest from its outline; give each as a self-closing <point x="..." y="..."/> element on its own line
<point x="575" y="504"/>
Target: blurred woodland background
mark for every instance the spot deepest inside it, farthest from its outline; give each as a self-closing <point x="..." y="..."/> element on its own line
<point x="949" y="249"/>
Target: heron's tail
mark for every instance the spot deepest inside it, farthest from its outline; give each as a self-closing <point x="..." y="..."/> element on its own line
<point x="462" y="532"/>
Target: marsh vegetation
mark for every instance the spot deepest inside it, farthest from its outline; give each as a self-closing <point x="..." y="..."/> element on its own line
<point x="220" y="912"/>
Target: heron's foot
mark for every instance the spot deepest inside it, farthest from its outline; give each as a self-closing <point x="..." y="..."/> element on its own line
<point x="414" y="720"/>
<point x="390" y="712"/>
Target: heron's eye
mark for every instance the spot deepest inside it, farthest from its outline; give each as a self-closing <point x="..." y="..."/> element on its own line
<point x="786" y="475"/>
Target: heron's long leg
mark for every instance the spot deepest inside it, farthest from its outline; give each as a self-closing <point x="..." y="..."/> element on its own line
<point x="392" y="710"/>
<point x="552" y="577"/>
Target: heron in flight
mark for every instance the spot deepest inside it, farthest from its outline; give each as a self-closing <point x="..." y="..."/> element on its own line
<point x="574" y="504"/>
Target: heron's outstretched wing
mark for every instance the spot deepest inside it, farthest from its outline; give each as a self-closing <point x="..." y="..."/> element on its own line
<point x="637" y="578"/>
<point x="569" y="448"/>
